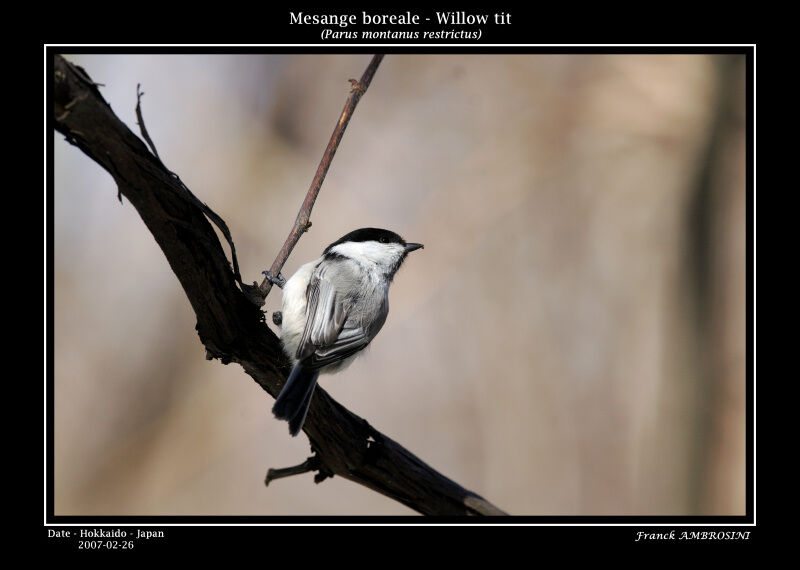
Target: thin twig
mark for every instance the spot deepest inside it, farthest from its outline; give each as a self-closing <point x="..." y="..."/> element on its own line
<point x="139" y="118"/>
<point x="210" y="214"/>
<point x="302" y="223"/>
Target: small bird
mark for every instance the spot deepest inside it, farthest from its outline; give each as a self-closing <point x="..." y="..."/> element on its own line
<point x="332" y="309"/>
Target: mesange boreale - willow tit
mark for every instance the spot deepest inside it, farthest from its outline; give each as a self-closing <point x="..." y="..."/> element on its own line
<point x="332" y="309"/>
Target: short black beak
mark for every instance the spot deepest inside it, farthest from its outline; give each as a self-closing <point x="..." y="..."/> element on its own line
<point x="412" y="246"/>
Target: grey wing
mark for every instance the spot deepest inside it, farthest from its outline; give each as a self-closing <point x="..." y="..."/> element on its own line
<point x="328" y="336"/>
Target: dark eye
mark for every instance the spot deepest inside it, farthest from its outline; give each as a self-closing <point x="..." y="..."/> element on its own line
<point x="383" y="240"/>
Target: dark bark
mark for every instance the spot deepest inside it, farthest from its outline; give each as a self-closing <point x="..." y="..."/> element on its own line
<point x="229" y="324"/>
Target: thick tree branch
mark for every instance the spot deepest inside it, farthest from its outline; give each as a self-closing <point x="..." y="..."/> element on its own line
<point x="230" y="326"/>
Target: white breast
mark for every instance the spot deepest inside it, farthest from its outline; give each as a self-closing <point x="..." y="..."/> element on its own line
<point x="294" y="308"/>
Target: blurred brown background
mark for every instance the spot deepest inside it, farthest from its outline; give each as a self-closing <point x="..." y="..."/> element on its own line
<point x="571" y="341"/>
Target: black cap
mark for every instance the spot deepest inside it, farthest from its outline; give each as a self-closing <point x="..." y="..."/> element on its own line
<point x="369" y="234"/>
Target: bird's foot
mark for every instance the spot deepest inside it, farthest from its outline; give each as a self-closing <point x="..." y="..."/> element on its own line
<point x="280" y="280"/>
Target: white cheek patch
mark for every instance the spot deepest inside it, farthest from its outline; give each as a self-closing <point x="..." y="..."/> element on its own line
<point x="383" y="254"/>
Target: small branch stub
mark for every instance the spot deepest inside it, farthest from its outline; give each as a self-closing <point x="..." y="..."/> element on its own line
<point x="310" y="464"/>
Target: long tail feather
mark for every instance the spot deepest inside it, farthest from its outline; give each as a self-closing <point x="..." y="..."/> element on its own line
<point x="293" y="401"/>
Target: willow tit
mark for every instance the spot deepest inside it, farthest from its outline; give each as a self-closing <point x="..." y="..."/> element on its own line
<point x="332" y="309"/>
